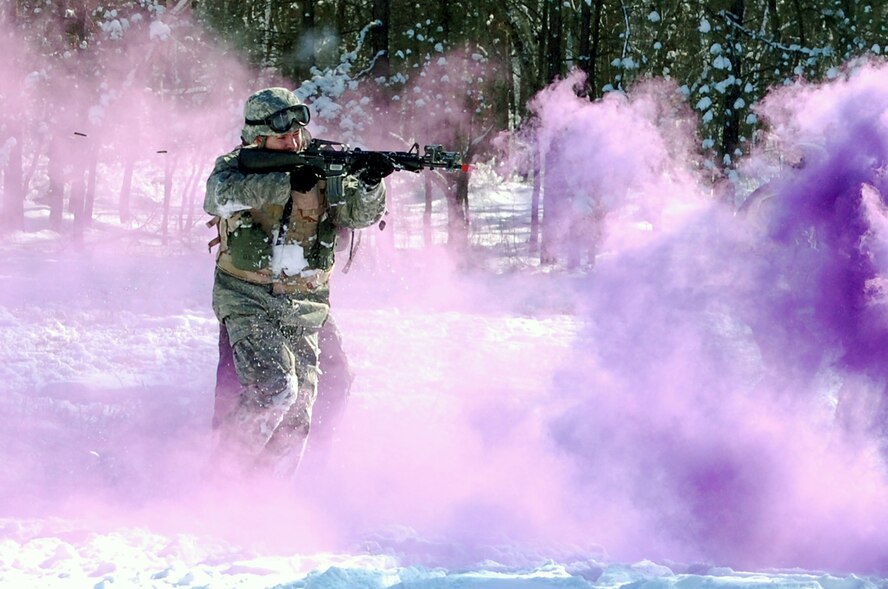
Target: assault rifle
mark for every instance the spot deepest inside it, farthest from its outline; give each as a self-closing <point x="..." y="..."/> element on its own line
<point x="337" y="159"/>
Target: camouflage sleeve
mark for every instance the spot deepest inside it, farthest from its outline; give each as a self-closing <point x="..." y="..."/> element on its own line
<point x="360" y="206"/>
<point x="230" y="191"/>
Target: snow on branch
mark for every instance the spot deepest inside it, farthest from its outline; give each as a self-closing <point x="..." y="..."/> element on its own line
<point x="328" y="89"/>
<point x="362" y="37"/>
<point x="730" y="19"/>
<point x="628" y="29"/>
<point x="366" y="71"/>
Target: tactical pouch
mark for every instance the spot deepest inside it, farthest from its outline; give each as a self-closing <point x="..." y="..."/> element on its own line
<point x="249" y="247"/>
<point x="322" y="253"/>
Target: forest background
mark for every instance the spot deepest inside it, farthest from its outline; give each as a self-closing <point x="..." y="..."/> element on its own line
<point x="96" y="75"/>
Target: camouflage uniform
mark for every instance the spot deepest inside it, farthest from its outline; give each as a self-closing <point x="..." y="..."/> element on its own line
<point x="271" y="290"/>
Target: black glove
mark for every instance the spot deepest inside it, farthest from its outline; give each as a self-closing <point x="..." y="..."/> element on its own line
<point x="304" y="178"/>
<point x="371" y="167"/>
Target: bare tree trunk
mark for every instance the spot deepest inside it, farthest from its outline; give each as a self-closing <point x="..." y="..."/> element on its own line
<point x="521" y="69"/>
<point x="585" y="60"/>
<point x="186" y="215"/>
<point x="776" y="25"/>
<point x="590" y="37"/>
<point x="427" y="212"/>
<point x="77" y="202"/>
<point x="268" y="40"/>
<point x="800" y="21"/>
<point x="554" y="45"/>
<point x="308" y="14"/>
<point x="13" y="185"/>
<point x="458" y="229"/>
<point x="731" y="127"/>
<point x="592" y="82"/>
<point x="542" y="42"/>
<point x="56" y="189"/>
<point x="126" y="190"/>
<point x="90" y="197"/>
<point x="550" y="212"/>
<point x="168" y="170"/>
<point x="457" y="224"/>
<point x="342" y="19"/>
<point x="379" y="38"/>
<point x="194" y="195"/>
<point x="79" y="152"/>
<point x="535" y="201"/>
<point x="83" y="182"/>
<point x="29" y="172"/>
<point x="551" y="206"/>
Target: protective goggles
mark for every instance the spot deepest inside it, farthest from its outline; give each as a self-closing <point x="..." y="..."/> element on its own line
<point x="284" y="119"/>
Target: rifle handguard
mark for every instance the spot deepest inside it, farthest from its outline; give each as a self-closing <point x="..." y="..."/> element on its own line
<point x="266" y="161"/>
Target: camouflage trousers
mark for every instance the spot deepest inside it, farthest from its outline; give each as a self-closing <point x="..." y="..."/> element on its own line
<point x="335" y="379"/>
<point x="274" y="342"/>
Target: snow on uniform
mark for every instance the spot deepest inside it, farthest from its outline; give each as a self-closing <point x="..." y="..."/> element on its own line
<point x="271" y="292"/>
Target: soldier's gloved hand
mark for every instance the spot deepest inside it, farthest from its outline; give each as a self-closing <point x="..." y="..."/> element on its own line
<point x="304" y="178"/>
<point x="372" y="167"/>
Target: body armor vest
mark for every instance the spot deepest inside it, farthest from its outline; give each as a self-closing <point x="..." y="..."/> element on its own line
<point x="258" y="245"/>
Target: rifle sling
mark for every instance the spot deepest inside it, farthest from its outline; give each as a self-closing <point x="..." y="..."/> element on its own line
<point x="285" y="220"/>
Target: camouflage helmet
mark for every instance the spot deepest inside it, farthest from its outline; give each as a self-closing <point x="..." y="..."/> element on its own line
<point x="272" y="112"/>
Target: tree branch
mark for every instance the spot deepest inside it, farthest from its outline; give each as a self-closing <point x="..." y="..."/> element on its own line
<point x="816" y="52"/>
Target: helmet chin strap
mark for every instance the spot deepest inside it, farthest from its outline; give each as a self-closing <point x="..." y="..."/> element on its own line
<point x="304" y="138"/>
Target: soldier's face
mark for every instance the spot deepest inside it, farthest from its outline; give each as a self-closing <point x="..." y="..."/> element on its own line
<point x="288" y="142"/>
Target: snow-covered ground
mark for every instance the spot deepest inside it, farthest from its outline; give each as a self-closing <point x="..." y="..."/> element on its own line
<point x="107" y="375"/>
<point x="62" y="554"/>
<point x="81" y="376"/>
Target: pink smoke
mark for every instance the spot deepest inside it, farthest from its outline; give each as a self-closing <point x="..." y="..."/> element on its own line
<point x="716" y="341"/>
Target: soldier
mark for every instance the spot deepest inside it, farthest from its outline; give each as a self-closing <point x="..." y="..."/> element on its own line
<point x="277" y="234"/>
